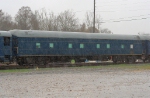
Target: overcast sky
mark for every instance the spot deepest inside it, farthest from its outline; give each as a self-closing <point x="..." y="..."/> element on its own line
<point x="119" y="16"/>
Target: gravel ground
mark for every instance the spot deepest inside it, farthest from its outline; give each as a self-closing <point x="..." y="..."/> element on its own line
<point x="76" y="83"/>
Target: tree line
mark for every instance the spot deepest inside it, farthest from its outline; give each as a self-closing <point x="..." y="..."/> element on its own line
<point x="26" y="19"/>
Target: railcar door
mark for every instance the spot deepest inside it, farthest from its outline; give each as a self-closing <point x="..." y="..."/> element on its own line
<point x="15" y="46"/>
<point x="131" y="49"/>
<point x="145" y="50"/>
<point x="7" y="49"/>
<point x="145" y="47"/>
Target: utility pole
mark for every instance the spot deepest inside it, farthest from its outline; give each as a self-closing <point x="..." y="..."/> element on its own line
<point x="94" y="19"/>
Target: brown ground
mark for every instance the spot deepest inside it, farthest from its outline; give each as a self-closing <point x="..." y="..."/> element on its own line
<point x="76" y="83"/>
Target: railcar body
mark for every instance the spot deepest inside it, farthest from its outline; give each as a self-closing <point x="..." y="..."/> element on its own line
<point x="32" y="46"/>
<point x="148" y="48"/>
<point x="5" y="46"/>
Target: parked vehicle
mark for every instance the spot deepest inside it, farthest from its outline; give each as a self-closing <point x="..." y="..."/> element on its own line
<point x="42" y="47"/>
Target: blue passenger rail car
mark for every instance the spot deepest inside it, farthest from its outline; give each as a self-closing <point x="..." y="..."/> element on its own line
<point x="32" y="46"/>
<point x="5" y="46"/>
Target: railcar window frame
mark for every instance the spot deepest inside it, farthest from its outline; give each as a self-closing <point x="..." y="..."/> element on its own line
<point x="122" y="46"/>
<point x="82" y="46"/>
<point x="108" y="46"/>
<point x="70" y="45"/>
<point x="51" y="45"/>
<point x="98" y="46"/>
<point x="38" y="45"/>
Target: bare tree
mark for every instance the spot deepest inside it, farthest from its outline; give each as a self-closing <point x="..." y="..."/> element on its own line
<point x="41" y="16"/>
<point x="23" y="18"/>
<point x="1" y="15"/>
<point x="90" y="29"/>
<point x="35" y="24"/>
<point x="89" y="19"/>
<point x="67" y="21"/>
<point x="5" y="21"/>
<point x="53" y="22"/>
<point x="89" y="22"/>
<point x="105" y="31"/>
<point x="47" y="20"/>
<point x="82" y="28"/>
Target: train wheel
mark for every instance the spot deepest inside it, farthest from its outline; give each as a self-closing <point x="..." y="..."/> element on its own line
<point x="115" y="59"/>
<point x="133" y="59"/>
<point x="20" y="63"/>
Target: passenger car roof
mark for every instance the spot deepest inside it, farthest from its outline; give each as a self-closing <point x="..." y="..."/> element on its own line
<point x="80" y="35"/>
<point x="5" y="34"/>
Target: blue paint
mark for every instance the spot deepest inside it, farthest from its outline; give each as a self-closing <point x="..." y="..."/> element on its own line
<point x="27" y="46"/>
<point x="5" y="50"/>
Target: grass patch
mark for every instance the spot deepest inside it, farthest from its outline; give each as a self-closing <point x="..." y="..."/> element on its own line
<point x="122" y="66"/>
<point x="15" y="70"/>
<point x="26" y="70"/>
<point x="119" y="66"/>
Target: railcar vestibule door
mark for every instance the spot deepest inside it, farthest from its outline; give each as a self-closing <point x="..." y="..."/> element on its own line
<point x="7" y="49"/>
<point x="131" y="49"/>
<point x="145" y="47"/>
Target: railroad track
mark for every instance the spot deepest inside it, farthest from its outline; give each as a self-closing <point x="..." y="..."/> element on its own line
<point x="50" y="65"/>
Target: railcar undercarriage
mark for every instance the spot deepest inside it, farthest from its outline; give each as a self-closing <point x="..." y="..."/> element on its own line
<point x="44" y="60"/>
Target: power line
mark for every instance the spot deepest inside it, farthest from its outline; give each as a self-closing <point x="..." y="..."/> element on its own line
<point x="121" y="10"/>
<point x="83" y="11"/>
<point x="108" y="3"/>
<point x="129" y="17"/>
<point x="127" y="20"/>
<point x="124" y="8"/>
<point x="108" y="11"/>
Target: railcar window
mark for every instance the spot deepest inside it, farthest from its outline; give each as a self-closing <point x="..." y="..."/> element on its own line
<point x="6" y="41"/>
<point x="38" y="45"/>
<point x="122" y="46"/>
<point x="81" y="45"/>
<point x="98" y="46"/>
<point x="131" y="46"/>
<point x="108" y="46"/>
<point x="51" y="45"/>
<point x="69" y="45"/>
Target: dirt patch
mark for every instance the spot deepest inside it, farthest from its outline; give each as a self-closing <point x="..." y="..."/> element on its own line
<point x="76" y="83"/>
